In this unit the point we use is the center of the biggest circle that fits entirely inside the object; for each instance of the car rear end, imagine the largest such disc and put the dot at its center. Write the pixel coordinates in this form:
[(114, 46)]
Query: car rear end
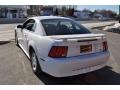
[(76, 54)]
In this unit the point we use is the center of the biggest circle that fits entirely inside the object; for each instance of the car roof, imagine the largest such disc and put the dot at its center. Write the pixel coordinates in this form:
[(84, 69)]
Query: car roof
[(48, 17)]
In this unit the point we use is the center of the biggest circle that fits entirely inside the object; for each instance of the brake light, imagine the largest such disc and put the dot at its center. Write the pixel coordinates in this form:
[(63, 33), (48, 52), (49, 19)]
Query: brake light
[(105, 46), (58, 51)]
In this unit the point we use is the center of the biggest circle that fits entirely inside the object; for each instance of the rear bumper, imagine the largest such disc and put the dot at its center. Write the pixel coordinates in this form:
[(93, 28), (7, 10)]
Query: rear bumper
[(62, 67)]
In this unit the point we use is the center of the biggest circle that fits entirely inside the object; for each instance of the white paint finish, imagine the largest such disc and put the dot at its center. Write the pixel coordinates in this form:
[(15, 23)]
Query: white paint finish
[(75, 65), (60, 67)]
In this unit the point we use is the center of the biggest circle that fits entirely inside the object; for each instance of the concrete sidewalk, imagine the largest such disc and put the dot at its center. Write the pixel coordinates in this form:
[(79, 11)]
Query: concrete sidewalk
[(7, 32), (99, 24)]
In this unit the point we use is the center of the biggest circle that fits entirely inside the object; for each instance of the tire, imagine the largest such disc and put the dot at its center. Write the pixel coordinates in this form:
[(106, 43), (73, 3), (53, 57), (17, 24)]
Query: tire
[(16, 39), (34, 63)]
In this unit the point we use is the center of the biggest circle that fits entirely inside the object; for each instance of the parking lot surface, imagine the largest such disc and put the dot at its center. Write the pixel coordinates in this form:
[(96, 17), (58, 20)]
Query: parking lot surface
[(15, 67)]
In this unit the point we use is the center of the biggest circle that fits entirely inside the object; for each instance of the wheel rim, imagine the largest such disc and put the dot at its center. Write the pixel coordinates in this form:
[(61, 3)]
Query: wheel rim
[(34, 62)]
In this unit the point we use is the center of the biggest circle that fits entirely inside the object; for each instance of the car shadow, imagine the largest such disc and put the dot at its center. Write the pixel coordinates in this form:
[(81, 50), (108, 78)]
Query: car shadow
[(104, 76)]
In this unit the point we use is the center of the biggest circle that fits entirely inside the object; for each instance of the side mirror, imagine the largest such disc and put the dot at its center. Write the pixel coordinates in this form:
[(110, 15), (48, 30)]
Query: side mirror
[(20, 26)]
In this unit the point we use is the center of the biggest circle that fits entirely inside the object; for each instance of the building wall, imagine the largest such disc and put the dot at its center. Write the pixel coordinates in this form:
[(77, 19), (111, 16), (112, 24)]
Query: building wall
[(82, 15), (21, 11), (13, 11)]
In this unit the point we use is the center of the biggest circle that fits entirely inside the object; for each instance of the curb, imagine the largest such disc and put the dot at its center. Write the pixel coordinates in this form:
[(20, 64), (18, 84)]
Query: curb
[(4, 42)]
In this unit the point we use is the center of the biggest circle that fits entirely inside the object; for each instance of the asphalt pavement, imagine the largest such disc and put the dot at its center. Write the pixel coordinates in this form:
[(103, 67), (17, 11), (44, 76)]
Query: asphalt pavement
[(15, 67)]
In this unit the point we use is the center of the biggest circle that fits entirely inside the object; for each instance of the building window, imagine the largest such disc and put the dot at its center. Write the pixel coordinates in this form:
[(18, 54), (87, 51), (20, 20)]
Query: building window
[(3, 12)]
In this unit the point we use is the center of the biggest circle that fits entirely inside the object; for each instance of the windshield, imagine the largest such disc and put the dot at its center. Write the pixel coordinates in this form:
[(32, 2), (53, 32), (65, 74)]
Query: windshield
[(63, 27)]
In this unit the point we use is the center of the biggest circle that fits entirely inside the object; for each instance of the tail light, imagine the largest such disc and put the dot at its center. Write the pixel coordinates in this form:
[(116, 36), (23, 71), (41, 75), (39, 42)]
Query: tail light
[(58, 51), (105, 46)]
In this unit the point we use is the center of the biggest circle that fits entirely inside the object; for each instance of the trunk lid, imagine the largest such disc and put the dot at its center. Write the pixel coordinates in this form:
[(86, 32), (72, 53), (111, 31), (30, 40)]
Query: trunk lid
[(80, 44)]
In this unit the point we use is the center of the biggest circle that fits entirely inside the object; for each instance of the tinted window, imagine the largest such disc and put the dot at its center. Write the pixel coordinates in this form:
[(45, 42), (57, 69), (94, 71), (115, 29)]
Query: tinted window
[(29, 25), (63, 27)]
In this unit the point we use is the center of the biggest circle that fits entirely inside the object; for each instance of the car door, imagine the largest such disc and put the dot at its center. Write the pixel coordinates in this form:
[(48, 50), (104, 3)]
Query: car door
[(28, 28)]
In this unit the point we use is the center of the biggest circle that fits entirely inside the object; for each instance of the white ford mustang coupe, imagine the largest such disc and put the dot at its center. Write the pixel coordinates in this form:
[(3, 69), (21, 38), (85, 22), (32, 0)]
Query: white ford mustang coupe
[(61, 47)]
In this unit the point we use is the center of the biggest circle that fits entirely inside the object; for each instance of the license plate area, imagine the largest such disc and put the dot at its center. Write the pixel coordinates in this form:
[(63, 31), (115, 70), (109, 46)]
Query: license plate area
[(86, 48)]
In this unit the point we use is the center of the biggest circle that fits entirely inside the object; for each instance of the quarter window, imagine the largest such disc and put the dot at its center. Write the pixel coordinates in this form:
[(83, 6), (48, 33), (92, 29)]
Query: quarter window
[(30, 25)]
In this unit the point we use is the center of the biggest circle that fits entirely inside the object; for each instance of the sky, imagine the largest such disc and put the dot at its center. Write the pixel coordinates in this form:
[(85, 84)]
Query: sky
[(95, 7)]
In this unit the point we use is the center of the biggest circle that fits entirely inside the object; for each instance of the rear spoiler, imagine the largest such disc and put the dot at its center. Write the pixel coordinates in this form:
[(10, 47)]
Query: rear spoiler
[(78, 37), (85, 36)]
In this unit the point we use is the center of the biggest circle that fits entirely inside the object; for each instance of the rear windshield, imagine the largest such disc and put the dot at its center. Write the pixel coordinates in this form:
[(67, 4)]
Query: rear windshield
[(63, 27)]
